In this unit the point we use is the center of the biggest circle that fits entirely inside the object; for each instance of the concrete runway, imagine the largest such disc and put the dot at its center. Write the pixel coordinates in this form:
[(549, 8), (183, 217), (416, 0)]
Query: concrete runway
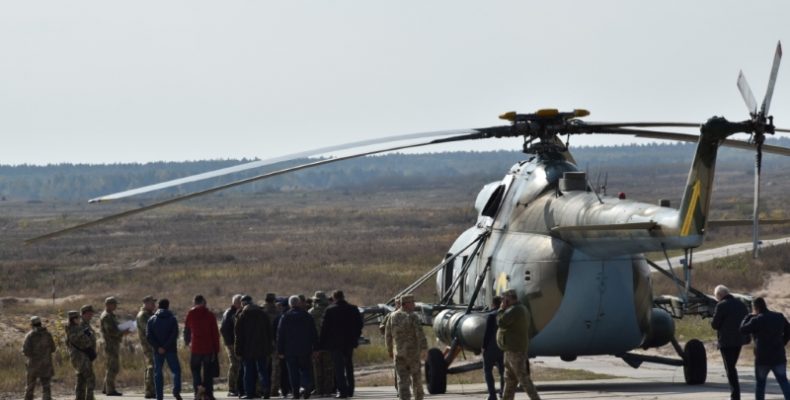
[(651, 381)]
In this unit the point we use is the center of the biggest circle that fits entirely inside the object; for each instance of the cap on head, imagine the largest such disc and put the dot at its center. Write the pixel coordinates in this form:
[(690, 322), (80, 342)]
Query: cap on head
[(111, 300), (86, 308), (246, 299), (320, 297), (270, 297), (34, 320), (149, 299), (73, 314), (510, 293), (407, 298), (164, 304)]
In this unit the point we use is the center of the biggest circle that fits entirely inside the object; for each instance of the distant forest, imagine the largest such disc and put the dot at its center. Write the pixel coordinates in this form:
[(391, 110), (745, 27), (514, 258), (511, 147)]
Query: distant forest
[(79, 182)]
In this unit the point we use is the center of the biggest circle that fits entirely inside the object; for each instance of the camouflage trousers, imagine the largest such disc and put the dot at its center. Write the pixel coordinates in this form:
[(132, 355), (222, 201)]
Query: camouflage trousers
[(516, 372), (86, 381), (46, 390), (233, 370), (113, 366), (324, 373), (276, 375), (407, 374), (149, 372)]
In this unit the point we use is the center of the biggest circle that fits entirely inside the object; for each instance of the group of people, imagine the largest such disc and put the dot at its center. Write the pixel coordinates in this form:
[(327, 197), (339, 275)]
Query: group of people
[(294, 347), (736, 326)]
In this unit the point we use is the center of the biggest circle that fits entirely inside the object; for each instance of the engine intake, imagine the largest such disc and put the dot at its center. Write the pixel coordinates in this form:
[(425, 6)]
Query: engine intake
[(469, 329)]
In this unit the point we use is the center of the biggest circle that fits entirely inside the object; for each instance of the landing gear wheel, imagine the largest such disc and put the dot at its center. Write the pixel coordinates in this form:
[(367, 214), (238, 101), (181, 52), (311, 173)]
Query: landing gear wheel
[(436, 372), (695, 366)]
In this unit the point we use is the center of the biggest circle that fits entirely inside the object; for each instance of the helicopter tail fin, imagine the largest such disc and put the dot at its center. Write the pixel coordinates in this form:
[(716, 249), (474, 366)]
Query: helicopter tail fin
[(695, 204)]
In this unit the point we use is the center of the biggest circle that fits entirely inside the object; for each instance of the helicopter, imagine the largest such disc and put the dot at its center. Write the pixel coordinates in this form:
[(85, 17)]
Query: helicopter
[(574, 256)]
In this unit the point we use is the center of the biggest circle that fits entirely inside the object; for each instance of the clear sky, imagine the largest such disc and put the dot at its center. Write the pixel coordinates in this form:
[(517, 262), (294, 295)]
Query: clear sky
[(111, 81)]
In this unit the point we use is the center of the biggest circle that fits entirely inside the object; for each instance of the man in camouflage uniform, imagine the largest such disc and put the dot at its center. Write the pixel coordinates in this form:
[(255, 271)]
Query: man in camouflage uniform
[(406, 344), (81, 341), (112, 344), (323, 372), (512, 337), (146, 312), (38, 348), (270, 309)]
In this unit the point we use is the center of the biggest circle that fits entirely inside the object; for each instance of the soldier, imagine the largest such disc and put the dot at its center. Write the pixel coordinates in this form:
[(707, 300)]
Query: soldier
[(273, 312), (112, 344), (81, 341), (226, 329), (146, 312), (383, 324), (406, 344), (512, 337), (322, 367), (38, 348)]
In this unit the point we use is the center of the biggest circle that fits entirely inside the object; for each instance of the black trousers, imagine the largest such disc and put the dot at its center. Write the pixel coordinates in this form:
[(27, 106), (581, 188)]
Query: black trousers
[(730, 356), (199, 364), (489, 362), (343, 363)]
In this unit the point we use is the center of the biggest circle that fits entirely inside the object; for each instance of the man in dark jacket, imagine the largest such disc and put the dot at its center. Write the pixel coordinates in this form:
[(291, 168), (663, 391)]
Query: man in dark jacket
[(296, 341), (202, 337), (254, 346), (228, 337), (279, 367), (162, 335), (771, 332), (340, 333), (492, 354), (727, 317)]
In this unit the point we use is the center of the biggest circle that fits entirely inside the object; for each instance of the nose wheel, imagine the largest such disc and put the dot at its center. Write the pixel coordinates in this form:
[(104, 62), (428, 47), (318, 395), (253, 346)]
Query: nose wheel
[(436, 372), (695, 362)]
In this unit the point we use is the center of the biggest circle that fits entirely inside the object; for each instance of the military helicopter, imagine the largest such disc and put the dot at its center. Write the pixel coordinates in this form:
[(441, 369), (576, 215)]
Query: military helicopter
[(574, 256)]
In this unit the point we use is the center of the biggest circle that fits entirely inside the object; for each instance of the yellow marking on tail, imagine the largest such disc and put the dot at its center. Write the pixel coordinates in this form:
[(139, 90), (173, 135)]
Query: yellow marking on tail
[(689, 218)]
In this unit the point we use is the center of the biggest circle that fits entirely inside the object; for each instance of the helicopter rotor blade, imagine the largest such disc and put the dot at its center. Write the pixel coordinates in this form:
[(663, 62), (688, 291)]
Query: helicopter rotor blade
[(112, 217), (746, 93), (769, 93), (304, 154), (685, 137)]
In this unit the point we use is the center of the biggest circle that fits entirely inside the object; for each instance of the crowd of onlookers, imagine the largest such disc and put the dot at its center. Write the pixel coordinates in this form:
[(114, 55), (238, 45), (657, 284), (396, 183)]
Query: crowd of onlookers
[(292, 347)]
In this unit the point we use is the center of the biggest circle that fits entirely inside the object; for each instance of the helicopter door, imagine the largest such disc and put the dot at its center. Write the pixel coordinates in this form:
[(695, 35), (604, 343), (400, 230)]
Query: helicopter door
[(458, 297), (447, 274)]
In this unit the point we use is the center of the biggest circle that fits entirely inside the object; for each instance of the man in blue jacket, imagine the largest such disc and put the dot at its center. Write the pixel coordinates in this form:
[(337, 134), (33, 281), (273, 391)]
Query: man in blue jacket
[(727, 318), (296, 341), (771, 332), (162, 335)]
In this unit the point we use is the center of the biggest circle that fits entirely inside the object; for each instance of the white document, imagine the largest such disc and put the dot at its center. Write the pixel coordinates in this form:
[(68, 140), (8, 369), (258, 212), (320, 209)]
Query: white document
[(129, 326)]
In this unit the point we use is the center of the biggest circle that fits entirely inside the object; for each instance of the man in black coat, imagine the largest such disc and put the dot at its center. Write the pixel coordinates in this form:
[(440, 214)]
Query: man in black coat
[(253, 344), (727, 317), (340, 333), (297, 339), (771, 332), (492, 354)]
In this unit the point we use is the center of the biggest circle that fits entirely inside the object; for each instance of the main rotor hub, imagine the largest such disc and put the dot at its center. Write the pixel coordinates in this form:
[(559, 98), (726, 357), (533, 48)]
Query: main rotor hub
[(543, 125)]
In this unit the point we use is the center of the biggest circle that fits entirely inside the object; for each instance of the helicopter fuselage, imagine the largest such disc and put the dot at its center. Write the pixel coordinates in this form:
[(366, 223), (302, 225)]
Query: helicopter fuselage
[(589, 290)]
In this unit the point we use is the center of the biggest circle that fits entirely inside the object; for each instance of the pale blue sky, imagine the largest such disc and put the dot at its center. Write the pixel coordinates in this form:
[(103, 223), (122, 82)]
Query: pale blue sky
[(102, 81)]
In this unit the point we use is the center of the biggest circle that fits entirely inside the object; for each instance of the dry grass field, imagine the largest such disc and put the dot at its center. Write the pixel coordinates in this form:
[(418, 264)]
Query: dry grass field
[(368, 243)]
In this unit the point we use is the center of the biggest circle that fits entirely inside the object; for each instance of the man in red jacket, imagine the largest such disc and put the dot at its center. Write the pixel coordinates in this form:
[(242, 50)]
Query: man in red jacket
[(202, 336)]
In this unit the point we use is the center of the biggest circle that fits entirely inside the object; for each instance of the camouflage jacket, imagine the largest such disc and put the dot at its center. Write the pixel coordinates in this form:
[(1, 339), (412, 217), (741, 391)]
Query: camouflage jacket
[(317, 312), (80, 338), (38, 348), (109, 331), (404, 335), (142, 324), (271, 311)]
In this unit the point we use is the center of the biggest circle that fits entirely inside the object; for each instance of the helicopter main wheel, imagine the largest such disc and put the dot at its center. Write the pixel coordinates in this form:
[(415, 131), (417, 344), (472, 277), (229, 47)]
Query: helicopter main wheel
[(695, 366), (436, 372)]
